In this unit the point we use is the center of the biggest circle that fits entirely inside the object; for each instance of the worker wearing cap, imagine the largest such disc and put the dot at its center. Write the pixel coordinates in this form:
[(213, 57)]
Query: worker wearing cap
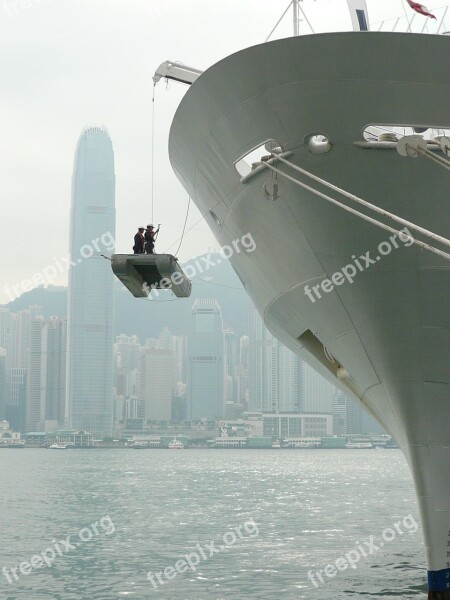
[(150, 238), (139, 241)]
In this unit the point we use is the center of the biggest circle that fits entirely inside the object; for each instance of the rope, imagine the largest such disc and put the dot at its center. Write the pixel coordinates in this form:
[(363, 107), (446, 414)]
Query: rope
[(366, 204), (442, 162), (231, 287), (279, 21), (184, 227), (354, 212)]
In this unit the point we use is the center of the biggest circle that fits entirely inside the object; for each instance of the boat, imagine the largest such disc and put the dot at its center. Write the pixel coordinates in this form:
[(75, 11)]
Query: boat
[(354, 277), (15, 445), (359, 445), (176, 444), (276, 444), (139, 444), (59, 446)]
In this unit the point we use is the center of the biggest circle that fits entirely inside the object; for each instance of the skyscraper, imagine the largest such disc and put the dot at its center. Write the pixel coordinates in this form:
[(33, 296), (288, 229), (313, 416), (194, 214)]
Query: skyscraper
[(46, 368), (317, 391), (205, 370), (275, 373), (156, 383), (91, 286), (2, 383)]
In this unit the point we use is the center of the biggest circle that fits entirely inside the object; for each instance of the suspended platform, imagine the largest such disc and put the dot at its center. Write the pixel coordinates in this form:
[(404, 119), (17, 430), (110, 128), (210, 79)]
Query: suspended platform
[(142, 273)]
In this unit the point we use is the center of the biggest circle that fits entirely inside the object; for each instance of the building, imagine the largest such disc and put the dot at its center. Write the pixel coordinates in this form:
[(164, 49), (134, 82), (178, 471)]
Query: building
[(36, 376), (295, 425), (56, 348), (16, 406), (46, 375), (275, 373), (156, 388), (3, 387), (8, 437), (351, 418), (317, 391), (91, 286), (205, 365)]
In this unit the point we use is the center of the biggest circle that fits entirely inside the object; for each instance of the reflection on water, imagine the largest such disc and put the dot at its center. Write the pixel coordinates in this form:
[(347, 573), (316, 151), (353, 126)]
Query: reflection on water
[(310, 508)]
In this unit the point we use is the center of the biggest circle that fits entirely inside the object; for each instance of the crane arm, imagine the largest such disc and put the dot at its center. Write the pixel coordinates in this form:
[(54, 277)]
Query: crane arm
[(176, 71)]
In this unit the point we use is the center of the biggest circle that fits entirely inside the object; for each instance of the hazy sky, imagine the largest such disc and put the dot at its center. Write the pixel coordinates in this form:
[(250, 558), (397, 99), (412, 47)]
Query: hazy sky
[(65, 64)]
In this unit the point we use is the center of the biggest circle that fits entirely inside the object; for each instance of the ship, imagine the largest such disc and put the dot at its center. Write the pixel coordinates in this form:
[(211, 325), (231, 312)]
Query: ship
[(322, 148)]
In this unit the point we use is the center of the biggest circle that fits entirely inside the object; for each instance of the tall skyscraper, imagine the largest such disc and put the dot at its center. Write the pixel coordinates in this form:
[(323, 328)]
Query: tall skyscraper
[(36, 376), (317, 391), (16, 409), (56, 341), (205, 370), (275, 373), (46, 380), (2, 383), (156, 383), (91, 286)]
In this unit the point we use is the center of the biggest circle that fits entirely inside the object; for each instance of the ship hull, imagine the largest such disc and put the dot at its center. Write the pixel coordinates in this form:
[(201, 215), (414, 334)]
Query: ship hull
[(383, 335)]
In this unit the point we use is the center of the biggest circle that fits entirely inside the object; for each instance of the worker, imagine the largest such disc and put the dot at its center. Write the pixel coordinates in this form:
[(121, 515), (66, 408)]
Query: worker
[(139, 241), (150, 238)]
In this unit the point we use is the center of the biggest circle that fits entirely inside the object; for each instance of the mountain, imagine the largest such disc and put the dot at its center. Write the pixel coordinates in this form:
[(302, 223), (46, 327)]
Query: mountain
[(146, 318)]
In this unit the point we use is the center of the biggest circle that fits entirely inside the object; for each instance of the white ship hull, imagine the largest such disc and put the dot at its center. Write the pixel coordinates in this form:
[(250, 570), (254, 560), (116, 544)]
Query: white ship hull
[(390, 328)]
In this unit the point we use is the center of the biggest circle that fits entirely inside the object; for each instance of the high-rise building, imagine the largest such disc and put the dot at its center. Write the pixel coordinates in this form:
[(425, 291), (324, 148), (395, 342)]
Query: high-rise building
[(3, 387), (275, 373), (16, 408), (290, 381), (156, 387), (243, 372), (46, 374), (205, 366), (36, 376), (56, 348), (347, 414), (91, 286), (317, 391), (7, 336)]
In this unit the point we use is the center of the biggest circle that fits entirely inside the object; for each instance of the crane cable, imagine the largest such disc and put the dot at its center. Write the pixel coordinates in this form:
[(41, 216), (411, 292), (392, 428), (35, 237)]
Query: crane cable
[(153, 171), (153, 148)]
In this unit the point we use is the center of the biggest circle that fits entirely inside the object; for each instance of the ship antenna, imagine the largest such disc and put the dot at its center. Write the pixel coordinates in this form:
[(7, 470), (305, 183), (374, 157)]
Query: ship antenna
[(296, 6), (297, 9)]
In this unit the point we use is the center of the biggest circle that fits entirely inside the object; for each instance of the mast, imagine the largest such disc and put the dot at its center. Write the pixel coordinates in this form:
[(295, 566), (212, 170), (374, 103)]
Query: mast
[(296, 19)]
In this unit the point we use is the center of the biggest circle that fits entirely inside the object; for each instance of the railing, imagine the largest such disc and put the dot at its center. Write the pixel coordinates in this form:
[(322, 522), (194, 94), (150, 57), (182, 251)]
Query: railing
[(416, 23)]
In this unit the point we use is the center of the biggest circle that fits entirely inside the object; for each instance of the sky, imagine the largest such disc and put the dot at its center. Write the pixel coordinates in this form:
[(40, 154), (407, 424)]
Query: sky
[(67, 64)]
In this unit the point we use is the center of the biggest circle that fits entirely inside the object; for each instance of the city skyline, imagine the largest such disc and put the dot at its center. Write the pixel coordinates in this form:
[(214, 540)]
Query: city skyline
[(151, 378)]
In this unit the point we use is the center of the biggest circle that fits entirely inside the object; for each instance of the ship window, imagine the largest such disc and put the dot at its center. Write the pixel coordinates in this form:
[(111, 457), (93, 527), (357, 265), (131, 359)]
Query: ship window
[(392, 133)]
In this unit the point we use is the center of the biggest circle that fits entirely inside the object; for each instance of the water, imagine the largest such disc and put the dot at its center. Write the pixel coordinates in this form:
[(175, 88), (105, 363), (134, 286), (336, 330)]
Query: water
[(130, 512)]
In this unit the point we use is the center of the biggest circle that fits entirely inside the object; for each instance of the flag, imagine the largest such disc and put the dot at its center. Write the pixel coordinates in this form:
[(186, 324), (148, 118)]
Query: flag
[(358, 11), (420, 8)]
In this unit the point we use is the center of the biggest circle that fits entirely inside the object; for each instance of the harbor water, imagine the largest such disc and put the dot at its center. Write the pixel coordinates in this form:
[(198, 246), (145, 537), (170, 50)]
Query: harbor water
[(108, 524)]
